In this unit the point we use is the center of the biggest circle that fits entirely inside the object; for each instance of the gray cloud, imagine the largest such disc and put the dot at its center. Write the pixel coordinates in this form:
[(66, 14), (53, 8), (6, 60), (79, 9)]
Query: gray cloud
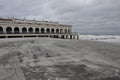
[(85, 15)]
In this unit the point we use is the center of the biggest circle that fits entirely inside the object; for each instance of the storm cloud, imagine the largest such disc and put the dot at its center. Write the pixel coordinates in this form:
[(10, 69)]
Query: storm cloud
[(86, 16)]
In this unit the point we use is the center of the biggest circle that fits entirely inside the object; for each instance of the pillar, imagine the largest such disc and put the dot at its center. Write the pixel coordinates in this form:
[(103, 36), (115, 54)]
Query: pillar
[(20, 29), (39, 30), (54, 31), (73, 36), (68, 36), (6, 36), (4, 30), (27, 29), (33, 29), (45, 31), (12, 29), (77, 37), (59, 36)]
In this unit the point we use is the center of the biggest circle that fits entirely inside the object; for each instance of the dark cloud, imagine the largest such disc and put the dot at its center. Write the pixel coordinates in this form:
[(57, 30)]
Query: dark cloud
[(84, 15)]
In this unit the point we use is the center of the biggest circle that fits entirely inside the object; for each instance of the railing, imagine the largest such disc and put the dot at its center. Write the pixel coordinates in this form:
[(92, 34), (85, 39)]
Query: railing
[(30, 33), (9, 32)]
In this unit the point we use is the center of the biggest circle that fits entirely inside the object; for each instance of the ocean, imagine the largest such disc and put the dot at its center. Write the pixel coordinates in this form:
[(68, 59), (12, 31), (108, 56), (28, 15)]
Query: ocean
[(104, 38)]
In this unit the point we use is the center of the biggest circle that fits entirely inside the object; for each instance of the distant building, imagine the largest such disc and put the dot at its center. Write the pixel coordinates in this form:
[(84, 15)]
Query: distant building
[(10, 28)]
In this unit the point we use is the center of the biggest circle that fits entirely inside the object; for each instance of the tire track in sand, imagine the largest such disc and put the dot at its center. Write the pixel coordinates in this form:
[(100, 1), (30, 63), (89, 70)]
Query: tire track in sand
[(14, 61)]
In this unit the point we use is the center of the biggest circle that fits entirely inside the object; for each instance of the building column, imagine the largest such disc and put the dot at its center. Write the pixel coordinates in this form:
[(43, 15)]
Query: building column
[(68, 37), (77, 37), (54, 31), (4, 30), (59, 36), (6, 36), (12, 29), (20, 30), (33, 30), (73, 36), (45, 30), (27, 29)]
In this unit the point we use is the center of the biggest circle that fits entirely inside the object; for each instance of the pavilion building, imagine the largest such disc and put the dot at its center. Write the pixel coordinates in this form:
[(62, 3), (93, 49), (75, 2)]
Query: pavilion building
[(12, 28)]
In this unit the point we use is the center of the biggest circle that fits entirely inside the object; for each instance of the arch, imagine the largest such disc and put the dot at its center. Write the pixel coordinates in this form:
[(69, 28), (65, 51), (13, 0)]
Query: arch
[(61, 30), (30, 30), (57, 30), (16, 30), (1, 29), (9, 30), (52, 30), (36, 30), (65, 30), (42, 30), (24, 30), (47, 30)]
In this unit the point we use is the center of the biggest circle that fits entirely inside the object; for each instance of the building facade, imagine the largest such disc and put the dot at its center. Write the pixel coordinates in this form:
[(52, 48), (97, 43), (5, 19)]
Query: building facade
[(10, 28)]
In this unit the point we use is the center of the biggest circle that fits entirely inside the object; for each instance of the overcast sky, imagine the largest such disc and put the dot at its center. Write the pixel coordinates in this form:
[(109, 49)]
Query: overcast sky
[(97, 16)]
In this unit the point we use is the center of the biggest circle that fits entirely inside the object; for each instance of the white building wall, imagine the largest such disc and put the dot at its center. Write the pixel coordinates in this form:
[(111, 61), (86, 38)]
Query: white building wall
[(34, 26)]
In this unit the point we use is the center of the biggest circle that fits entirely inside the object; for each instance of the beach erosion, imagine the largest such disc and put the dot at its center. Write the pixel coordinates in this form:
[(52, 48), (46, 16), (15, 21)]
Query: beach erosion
[(58, 59)]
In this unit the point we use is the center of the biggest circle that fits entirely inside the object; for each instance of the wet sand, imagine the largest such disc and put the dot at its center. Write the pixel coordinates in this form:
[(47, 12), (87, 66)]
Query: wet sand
[(58, 59)]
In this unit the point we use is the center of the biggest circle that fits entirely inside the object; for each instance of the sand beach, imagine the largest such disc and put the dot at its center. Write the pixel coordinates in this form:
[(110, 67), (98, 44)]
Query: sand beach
[(58, 59)]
